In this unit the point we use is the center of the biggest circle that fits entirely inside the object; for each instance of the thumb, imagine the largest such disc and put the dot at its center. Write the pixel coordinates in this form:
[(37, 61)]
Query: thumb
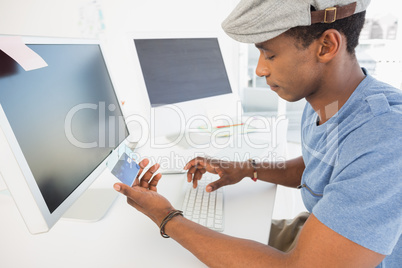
[(126, 190), (213, 186)]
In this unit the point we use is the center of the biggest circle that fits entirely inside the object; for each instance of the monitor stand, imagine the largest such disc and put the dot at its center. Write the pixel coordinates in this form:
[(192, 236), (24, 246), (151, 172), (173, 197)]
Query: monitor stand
[(92, 206)]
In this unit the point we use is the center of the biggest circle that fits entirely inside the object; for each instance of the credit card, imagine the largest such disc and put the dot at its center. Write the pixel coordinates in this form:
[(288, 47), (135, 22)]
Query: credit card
[(126, 169)]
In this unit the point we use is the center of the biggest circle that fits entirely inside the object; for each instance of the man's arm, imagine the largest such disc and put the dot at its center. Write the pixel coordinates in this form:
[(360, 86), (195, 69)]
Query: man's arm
[(317, 246), (287, 173)]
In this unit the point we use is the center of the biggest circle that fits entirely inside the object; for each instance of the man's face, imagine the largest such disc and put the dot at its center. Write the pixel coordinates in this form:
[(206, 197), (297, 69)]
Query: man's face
[(291, 71)]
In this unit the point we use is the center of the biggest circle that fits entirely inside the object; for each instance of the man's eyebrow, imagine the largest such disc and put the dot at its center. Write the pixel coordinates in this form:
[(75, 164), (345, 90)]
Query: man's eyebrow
[(261, 46)]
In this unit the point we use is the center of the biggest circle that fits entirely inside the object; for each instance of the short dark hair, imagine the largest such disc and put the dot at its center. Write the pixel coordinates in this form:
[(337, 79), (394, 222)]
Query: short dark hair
[(350, 26)]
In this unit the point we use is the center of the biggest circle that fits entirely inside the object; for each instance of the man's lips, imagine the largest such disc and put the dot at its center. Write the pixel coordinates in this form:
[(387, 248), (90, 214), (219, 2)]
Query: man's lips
[(273, 86), (270, 83)]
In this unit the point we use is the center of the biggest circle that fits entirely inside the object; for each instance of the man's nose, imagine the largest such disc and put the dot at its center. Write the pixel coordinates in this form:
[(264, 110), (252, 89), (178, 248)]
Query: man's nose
[(262, 67)]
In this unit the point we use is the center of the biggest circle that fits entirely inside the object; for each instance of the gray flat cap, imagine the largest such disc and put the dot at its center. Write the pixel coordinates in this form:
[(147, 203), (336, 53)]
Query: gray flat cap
[(256, 21)]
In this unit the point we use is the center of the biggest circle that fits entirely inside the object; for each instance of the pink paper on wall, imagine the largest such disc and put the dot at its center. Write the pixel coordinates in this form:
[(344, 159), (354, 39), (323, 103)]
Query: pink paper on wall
[(14, 47)]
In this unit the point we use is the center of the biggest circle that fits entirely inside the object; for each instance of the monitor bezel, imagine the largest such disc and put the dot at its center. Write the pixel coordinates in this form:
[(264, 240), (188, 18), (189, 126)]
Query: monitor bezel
[(177, 36), (15, 170), (209, 107), (171, 35)]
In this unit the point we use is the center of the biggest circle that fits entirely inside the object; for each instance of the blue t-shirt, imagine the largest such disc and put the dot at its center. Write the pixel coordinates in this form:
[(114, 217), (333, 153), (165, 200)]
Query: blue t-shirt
[(353, 177)]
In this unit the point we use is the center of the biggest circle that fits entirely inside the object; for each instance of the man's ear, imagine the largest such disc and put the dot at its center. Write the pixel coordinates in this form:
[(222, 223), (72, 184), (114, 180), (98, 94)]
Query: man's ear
[(330, 44)]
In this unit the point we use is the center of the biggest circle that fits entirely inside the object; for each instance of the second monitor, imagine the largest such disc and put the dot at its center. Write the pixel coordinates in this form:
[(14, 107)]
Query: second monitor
[(182, 69), (185, 78)]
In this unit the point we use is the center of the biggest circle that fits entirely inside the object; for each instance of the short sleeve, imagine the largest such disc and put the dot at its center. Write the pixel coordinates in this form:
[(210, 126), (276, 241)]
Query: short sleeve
[(363, 200)]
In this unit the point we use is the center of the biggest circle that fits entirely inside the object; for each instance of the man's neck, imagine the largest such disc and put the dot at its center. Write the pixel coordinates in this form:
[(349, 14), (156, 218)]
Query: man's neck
[(337, 87)]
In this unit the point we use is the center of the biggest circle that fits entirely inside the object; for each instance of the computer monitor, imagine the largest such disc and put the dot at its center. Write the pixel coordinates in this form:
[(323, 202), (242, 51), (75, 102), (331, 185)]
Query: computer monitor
[(58, 125), (182, 69), (185, 78)]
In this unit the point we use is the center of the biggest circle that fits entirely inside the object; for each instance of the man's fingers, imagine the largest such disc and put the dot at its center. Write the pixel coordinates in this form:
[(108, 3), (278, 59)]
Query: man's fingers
[(213, 186), (144, 182), (134, 194), (198, 166), (126, 190), (136, 181), (199, 161), (197, 176), (192, 171), (189, 176), (142, 165), (154, 182)]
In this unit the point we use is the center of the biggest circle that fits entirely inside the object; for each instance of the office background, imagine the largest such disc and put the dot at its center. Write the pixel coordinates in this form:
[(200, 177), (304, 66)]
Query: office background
[(113, 20)]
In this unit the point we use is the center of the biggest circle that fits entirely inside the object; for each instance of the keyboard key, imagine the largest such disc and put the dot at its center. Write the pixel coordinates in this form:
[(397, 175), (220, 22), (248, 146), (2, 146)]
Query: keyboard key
[(204, 208)]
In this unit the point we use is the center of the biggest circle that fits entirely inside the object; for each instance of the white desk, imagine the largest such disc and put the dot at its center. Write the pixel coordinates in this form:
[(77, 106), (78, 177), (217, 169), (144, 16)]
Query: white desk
[(125, 237)]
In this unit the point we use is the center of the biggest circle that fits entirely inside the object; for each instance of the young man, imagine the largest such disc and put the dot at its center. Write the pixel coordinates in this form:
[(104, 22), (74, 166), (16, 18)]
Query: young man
[(350, 173)]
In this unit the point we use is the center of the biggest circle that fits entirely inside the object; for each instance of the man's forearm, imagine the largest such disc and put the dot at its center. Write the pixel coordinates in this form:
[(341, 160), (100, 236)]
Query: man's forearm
[(219, 250), (286, 173)]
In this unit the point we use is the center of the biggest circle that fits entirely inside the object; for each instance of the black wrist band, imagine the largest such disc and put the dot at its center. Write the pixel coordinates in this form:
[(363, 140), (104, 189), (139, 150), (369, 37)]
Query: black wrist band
[(171, 214)]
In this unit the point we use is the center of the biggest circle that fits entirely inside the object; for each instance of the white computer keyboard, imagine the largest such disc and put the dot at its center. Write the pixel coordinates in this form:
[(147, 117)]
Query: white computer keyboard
[(202, 207)]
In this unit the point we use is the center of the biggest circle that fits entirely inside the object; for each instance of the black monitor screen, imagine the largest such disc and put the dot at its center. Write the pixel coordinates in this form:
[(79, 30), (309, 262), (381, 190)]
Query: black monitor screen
[(65, 117), (178, 70)]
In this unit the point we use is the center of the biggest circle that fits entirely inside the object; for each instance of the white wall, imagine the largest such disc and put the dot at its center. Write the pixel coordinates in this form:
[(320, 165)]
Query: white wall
[(44, 17), (123, 16), (112, 19)]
